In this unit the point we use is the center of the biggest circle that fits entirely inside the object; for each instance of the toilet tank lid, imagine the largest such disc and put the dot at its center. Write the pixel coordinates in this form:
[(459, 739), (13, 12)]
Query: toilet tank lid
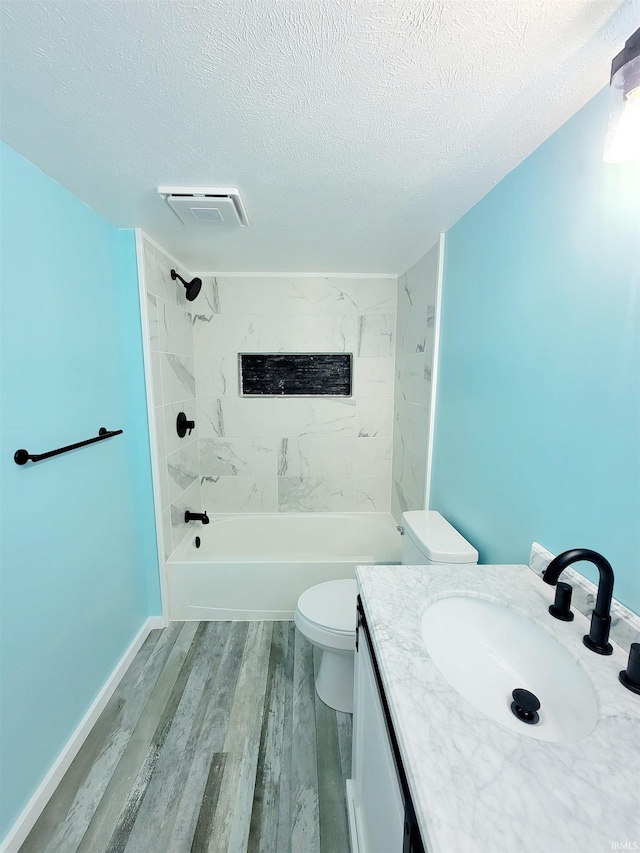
[(436, 538)]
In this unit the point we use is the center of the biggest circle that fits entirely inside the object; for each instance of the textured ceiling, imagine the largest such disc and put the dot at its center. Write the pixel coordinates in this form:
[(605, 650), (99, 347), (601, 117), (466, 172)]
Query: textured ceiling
[(355, 130)]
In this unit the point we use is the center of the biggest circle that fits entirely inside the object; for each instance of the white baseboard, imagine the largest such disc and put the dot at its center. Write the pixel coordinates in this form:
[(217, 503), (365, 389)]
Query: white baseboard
[(223, 614), (351, 814), (32, 811)]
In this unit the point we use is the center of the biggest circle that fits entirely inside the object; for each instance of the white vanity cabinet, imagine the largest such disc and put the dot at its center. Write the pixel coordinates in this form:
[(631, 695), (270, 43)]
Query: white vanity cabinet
[(378, 804)]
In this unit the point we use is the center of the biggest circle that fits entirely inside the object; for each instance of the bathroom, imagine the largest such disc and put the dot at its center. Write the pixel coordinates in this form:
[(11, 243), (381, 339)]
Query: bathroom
[(418, 219)]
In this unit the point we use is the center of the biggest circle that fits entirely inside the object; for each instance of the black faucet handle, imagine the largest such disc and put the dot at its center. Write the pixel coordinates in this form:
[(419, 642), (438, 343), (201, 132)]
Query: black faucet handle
[(183, 424), (630, 676), (561, 607)]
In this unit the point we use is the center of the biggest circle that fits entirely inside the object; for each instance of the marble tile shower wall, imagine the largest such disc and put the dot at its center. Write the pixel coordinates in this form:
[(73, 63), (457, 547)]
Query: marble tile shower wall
[(417, 290), (174, 390), (316, 454)]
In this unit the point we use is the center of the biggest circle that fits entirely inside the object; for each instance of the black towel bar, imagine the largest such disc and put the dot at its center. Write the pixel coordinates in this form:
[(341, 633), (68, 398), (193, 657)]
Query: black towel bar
[(21, 457)]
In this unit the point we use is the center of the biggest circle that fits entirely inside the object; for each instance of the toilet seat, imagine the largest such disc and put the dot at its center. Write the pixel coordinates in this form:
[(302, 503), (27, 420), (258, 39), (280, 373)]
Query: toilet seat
[(331, 605), (326, 614)]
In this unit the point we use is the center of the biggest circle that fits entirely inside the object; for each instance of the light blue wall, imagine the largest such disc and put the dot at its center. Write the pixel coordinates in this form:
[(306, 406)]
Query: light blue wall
[(538, 427), (79, 561)]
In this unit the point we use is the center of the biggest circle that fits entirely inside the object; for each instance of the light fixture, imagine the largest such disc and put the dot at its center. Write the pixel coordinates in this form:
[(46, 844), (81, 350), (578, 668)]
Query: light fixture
[(622, 142)]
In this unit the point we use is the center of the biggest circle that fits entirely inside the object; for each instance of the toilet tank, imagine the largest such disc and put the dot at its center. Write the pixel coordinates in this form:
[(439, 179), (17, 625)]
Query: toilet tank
[(429, 539)]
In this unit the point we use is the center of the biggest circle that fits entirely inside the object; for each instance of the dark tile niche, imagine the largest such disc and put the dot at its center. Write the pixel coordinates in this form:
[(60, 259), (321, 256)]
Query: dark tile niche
[(296, 374)]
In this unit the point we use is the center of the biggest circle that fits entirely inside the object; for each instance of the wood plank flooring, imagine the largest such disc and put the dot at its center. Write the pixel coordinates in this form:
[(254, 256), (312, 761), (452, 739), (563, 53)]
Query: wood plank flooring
[(216, 741)]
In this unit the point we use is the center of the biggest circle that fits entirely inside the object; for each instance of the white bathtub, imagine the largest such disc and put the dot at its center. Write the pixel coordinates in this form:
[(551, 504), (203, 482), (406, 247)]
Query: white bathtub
[(257, 566)]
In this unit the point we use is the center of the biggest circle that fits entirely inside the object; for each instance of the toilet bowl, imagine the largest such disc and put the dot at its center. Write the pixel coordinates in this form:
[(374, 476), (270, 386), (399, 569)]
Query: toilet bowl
[(326, 616), (326, 613)]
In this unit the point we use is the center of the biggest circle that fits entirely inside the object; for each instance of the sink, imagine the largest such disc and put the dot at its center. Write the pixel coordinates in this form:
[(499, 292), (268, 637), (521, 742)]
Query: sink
[(485, 650)]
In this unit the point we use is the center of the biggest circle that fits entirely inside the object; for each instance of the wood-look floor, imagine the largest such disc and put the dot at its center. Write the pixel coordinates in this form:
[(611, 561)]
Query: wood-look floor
[(215, 740)]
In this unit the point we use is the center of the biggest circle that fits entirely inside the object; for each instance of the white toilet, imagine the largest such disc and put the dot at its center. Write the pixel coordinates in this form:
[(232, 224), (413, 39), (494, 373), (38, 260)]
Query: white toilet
[(326, 613)]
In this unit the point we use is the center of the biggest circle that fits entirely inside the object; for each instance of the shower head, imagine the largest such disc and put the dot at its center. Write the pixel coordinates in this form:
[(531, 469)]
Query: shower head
[(192, 287)]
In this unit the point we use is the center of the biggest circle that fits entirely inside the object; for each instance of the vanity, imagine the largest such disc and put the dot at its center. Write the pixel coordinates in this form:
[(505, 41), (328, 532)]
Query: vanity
[(442, 762)]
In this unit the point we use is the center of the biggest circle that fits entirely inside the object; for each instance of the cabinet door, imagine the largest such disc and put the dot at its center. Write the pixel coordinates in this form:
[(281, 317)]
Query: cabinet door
[(379, 805)]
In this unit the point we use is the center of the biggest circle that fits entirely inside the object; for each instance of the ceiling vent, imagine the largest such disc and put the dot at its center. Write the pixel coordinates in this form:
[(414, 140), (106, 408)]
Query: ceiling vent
[(206, 206)]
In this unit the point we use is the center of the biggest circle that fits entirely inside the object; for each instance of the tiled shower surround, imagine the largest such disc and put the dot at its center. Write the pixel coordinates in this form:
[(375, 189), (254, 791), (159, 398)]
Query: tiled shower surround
[(174, 390), (316, 454), (417, 290)]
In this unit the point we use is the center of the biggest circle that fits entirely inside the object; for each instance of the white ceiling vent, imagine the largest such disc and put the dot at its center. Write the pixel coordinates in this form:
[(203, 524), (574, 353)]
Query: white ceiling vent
[(206, 206)]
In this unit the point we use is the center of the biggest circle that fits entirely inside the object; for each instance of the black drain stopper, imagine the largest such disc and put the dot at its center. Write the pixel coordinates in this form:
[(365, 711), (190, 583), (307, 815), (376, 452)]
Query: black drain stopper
[(525, 706)]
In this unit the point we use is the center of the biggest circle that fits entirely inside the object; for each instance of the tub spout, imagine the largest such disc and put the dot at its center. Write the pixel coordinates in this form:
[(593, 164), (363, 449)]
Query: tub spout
[(196, 516)]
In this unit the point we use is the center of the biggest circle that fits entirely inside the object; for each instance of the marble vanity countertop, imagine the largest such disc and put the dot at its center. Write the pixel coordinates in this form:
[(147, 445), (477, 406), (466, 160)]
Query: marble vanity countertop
[(477, 786)]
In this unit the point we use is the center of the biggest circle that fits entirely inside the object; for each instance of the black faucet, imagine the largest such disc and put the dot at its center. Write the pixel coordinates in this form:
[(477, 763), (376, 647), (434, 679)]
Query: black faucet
[(598, 637), (196, 516)]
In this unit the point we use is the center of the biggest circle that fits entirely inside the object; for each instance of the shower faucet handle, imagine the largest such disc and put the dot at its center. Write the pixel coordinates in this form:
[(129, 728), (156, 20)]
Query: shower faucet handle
[(182, 425)]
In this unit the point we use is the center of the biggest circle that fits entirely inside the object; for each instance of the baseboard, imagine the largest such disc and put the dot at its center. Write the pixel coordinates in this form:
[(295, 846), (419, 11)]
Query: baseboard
[(351, 813), (32, 811), (223, 614)]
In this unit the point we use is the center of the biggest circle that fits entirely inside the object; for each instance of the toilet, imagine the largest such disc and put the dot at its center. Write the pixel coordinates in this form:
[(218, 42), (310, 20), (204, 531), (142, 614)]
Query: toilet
[(326, 613)]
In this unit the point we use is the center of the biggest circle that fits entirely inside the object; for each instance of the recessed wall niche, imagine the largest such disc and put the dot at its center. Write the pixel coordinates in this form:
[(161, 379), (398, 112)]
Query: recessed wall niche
[(296, 374)]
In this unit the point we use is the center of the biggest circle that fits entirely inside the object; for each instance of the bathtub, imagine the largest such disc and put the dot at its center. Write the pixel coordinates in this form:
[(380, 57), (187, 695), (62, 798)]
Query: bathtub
[(257, 566)]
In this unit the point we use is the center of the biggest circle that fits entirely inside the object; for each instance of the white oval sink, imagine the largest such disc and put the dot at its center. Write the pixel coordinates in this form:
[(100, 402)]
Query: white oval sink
[(485, 651)]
